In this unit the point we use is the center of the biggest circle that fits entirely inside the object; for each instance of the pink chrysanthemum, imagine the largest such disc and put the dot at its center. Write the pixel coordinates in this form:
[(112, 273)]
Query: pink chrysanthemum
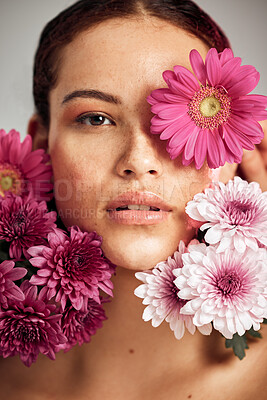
[(80, 326), (72, 267), (235, 215), (214, 119), (160, 295), (24, 222), (30, 327), (8, 290), (227, 289), (23, 170)]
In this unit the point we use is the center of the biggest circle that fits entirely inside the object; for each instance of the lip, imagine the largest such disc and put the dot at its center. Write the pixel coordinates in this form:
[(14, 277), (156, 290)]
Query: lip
[(138, 217)]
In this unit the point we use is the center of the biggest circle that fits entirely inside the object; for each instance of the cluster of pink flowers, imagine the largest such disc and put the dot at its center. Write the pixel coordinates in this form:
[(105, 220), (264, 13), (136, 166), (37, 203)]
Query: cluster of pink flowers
[(222, 281), (52, 283)]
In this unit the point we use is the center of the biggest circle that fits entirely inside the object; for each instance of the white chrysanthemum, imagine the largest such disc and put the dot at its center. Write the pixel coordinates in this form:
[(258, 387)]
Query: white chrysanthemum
[(228, 289), (235, 215), (160, 296)]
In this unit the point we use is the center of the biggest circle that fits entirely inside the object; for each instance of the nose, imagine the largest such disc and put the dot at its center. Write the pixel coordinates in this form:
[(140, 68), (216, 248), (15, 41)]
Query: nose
[(140, 156)]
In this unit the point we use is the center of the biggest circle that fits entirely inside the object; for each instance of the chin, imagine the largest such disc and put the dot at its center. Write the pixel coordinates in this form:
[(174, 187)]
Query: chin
[(138, 255)]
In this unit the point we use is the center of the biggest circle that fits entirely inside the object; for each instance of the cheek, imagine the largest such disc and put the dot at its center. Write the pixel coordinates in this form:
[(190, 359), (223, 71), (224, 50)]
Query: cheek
[(77, 182), (186, 182)]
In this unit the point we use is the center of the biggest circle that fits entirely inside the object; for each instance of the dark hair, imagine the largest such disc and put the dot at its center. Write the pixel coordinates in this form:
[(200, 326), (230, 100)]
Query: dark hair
[(87, 13)]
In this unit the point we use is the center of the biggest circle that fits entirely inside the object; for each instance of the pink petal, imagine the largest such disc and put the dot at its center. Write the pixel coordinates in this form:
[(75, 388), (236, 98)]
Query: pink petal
[(225, 55), (175, 98), (173, 113), (182, 132), (6, 266), (186, 77), (168, 75), (170, 130), (16, 294), (169, 111), (35, 250), (244, 85), (16, 273), (232, 141), (36, 280), (157, 95), (26, 147), (258, 98), (214, 156), (248, 126), (201, 148), (198, 66), (31, 162), (31, 294), (190, 144), (213, 67), (44, 272), (179, 88), (229, 70), (38, 262), (176, 151)]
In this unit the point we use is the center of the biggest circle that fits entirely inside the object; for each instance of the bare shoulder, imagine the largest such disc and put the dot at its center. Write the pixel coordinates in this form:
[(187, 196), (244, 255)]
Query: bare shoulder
[(44, 380), (220, 376)]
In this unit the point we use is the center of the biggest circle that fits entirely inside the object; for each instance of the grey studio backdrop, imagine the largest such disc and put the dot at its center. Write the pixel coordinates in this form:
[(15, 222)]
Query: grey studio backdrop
[(21, 21)]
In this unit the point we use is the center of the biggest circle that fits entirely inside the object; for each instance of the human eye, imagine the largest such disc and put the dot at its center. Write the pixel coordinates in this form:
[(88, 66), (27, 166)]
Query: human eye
[(94, 119)]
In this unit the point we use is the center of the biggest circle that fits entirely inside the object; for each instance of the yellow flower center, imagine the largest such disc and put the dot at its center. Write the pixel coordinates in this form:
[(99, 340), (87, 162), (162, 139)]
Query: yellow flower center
[(6, 182), (10, 179), (209, 107)]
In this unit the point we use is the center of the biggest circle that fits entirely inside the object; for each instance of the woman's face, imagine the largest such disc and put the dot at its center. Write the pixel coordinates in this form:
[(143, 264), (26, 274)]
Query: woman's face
[(103, 155)]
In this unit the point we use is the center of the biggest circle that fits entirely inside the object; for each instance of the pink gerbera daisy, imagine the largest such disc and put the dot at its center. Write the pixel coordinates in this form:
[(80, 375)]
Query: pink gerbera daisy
[(24, 222), (72, 268), (235, 215), (8, 290), (80, 326), (23, 170), (227, 289), (30, 327), (161, 296), (215, 119)]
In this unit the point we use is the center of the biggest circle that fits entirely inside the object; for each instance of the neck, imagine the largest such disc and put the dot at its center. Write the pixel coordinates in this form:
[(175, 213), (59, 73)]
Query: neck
[(127, 343)]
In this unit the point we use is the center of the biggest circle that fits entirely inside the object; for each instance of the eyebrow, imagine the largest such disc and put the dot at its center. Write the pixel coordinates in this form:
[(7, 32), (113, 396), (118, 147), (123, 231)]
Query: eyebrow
[(92, 94)]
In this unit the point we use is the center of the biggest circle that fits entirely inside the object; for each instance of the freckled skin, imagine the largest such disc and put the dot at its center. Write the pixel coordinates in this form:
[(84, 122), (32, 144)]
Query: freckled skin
[(91, 164)]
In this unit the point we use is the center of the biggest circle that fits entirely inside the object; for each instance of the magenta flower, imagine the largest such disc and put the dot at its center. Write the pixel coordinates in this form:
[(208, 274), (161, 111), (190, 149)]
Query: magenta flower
[(235, 215), (8, 290), (24, 222), (23, 170), (72, 267), (161, 296), (80, 326), (30, 327), (228, 289), (215, 119)]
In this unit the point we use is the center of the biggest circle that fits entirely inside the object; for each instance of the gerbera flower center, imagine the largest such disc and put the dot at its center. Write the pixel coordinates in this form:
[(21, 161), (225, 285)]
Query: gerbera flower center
[(239, 213), (229, 284), (10, 179), (210, 107)]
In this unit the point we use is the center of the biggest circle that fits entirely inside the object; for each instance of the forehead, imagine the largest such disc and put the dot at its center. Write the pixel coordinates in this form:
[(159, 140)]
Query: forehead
[(122, 53)]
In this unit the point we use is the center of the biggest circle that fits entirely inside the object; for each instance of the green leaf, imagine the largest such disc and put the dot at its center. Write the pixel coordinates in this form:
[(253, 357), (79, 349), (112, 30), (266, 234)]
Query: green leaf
[(265, 321), (253, 333), (238, 344)]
